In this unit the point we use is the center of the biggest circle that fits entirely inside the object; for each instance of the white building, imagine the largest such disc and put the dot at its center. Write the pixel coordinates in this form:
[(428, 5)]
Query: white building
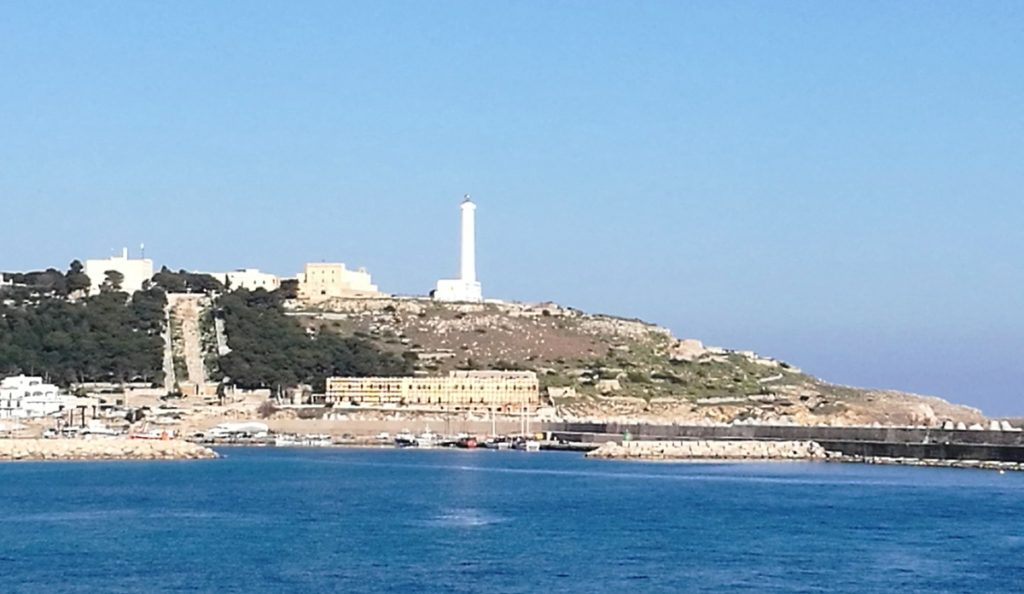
[(248, 278), (24, 397), (136, 272), (324, 280), (466, 287)]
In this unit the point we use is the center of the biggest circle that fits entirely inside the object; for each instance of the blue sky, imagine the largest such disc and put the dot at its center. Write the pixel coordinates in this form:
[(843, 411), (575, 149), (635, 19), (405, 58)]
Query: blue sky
[(835, 184)]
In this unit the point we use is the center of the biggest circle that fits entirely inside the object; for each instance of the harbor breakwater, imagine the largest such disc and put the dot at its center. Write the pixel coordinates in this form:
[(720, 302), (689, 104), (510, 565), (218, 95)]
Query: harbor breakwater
[(601, 432), (712, 450), (1001, 448), (745, 449), (116, 448)]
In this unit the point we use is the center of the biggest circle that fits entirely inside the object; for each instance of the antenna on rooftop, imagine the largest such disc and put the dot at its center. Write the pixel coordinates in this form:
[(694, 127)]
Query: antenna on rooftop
[(142, 248)]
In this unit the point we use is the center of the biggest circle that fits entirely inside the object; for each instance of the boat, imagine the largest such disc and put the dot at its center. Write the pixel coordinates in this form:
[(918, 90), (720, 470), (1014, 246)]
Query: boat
[(467, 443), (317, 440), (314, 440), (160, 434), (427, 439), (527, 445), (404, 439), (285, 440), (246, 429), (95, 427), (498, 443)]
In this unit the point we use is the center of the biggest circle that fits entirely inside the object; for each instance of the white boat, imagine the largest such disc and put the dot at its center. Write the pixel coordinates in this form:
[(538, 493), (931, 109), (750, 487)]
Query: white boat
[(289, 440), (242, 429), (528, 445), (427, 439), (94, 427), (317, 440), (285, 440), (162, 434)]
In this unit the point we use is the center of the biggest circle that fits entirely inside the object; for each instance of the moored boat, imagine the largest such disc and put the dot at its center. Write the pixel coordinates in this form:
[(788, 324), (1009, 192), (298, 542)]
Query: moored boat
[(404, 439), (427, 439), (527, 445), (285, 440)]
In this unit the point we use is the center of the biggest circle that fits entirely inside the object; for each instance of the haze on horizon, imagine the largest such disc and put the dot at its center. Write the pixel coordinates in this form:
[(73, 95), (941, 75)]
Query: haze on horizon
[(836, 185)]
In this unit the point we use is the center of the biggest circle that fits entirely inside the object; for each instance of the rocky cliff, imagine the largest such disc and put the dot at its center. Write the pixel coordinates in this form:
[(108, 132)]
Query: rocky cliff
[(604, 367)]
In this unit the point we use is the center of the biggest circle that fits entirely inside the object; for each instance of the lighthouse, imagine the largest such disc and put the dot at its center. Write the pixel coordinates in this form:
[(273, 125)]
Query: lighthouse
[(468, 242), (466, 287)]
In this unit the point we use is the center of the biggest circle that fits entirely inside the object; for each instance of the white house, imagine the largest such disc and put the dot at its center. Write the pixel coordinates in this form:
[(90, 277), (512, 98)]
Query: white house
[(135, 272), (248, 278), (23, 397)]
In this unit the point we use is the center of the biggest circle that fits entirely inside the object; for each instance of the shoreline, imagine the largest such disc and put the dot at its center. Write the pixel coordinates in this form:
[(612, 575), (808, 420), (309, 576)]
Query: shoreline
[(691, 452)]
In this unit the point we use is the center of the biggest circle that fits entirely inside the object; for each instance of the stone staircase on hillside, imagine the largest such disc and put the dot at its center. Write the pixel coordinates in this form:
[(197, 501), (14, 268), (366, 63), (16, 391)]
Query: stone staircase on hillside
[(183, 345)]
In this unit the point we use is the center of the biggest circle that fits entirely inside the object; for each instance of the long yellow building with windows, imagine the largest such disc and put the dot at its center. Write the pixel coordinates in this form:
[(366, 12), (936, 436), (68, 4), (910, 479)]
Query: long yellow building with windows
[(502, 391)]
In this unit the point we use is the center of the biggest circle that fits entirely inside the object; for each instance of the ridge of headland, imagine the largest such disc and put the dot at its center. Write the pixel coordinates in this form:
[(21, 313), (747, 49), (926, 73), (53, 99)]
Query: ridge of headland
[(614, 369)]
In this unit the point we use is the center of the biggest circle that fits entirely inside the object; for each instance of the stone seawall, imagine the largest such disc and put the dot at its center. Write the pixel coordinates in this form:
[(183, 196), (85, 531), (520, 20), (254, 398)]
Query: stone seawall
[(711, 450), (117, 448), (601, 432)]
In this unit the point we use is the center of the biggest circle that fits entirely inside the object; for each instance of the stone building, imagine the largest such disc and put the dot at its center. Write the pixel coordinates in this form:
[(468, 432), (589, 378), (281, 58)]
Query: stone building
[(503, 391), (135, 272), (321, 281)]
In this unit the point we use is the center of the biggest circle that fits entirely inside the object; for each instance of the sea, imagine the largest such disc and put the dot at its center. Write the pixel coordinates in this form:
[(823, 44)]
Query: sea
[(270, 520)]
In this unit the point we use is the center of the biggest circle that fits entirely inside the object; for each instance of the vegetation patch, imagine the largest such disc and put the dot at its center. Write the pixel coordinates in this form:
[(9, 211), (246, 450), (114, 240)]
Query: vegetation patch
[(272, 350), (105, 338)]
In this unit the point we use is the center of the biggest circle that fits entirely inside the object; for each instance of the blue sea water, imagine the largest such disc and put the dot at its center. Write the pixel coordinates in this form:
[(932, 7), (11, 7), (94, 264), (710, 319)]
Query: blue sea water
[(334, 520)]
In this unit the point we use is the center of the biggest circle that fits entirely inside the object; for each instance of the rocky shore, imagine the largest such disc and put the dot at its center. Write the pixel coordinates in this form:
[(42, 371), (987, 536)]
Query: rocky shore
[(712, 450), (117, 448)]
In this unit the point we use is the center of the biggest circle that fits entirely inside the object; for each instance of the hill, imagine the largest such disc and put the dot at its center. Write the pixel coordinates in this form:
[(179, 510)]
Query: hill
[(590, 366), (599, 366)]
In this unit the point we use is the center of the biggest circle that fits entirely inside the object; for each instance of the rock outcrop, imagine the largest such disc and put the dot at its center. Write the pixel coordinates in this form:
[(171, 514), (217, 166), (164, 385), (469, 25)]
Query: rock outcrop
[(117, 448)]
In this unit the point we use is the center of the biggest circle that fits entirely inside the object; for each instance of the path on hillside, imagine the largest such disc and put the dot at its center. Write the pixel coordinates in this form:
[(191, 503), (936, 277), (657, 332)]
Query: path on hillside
[(170, 381), (185, 311)]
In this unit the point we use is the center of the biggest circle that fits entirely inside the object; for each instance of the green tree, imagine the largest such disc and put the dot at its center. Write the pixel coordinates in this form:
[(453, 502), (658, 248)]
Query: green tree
[(101, 338), (76, 279), (186, 282), (272, 350), (112, 281)]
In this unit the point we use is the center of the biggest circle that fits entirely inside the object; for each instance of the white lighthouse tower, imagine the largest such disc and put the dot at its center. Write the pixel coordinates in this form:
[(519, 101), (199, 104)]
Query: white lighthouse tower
[(468, 253), (466, 287)]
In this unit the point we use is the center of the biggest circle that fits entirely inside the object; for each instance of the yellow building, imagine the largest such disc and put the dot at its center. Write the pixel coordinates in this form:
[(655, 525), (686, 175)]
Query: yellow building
[(324, 280), (507, 391)]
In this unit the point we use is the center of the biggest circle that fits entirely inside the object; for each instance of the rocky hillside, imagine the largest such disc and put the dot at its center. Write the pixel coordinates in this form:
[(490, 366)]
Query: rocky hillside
[(596, 366)]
